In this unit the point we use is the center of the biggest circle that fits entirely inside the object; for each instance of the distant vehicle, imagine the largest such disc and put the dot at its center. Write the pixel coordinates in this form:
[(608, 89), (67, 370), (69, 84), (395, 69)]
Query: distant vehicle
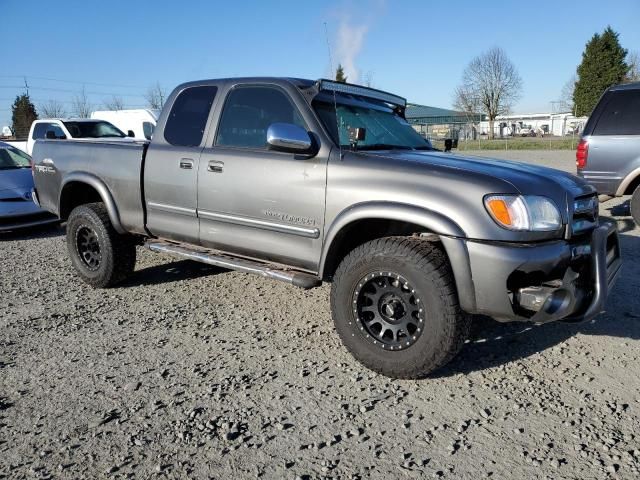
[(608, 155), (60, 129), (141, 121), (17, 209), (308, 181), (527, 131)]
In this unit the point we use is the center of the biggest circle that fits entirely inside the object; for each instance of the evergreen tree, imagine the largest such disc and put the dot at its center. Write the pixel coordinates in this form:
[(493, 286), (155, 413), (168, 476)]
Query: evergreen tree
[(340, 76), (24, 113), (603, 64)]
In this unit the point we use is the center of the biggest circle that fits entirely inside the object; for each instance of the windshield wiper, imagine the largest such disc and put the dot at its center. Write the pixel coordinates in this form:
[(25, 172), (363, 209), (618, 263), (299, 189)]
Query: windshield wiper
[(382, 146)]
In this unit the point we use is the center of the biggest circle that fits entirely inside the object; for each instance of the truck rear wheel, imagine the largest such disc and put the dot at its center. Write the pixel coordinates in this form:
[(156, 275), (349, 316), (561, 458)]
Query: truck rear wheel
[(101, 256), (395, 307), (635, 205)]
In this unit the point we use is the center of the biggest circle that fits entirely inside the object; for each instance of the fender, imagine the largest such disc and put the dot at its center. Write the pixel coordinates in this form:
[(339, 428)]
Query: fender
[(432, 221), (631, 176), (103, 191)]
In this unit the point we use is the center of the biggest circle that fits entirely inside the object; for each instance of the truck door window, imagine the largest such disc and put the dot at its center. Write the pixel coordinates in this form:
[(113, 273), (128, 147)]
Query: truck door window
[(41, 129), (621, 114), (188, 117), (248, 113)]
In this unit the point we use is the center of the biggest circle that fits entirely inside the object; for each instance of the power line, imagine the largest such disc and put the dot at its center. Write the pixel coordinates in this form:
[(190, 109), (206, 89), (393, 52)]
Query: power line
[(52, 89), (73, 81)]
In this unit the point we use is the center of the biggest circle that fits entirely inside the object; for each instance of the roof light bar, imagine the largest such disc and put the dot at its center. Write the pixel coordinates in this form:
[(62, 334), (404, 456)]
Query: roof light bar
[(363, 91)]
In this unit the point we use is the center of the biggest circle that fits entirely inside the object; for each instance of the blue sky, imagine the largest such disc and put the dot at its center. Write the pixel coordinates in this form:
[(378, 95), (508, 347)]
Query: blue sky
[(415, 48)]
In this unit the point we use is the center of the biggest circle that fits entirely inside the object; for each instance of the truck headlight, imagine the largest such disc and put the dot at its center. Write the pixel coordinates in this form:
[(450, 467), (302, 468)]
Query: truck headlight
[(524, 212)]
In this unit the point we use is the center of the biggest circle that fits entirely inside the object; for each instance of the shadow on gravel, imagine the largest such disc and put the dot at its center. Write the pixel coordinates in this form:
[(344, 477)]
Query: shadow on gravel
[(171, 272), (41, 231)]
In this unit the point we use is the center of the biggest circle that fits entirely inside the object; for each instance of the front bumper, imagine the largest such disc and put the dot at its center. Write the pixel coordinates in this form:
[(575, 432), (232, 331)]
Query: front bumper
[(539, 283)]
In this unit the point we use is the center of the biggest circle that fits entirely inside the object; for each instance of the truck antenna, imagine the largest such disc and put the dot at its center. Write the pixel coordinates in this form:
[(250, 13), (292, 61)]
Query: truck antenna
[(335, 103)]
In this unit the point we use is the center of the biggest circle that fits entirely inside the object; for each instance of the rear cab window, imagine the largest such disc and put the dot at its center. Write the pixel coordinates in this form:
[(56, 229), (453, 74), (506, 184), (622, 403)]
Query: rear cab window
[(188, 116), (619, 113)]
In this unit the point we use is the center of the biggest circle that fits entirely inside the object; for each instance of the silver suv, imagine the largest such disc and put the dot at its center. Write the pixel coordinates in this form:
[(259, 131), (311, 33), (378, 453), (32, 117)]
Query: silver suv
[(608, 156)]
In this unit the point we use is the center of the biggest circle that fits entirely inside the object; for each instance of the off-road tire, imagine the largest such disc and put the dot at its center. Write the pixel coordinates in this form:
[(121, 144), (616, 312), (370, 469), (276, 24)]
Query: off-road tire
[(425, 266), (635, 205), (116, 252)]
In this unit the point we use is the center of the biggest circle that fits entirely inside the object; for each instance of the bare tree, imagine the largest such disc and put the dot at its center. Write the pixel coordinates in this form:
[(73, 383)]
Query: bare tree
[(52, 109), (81, 106), (494, 81), (114, 103), (468, 102), (633, 60), (156, 96), (566, 94)]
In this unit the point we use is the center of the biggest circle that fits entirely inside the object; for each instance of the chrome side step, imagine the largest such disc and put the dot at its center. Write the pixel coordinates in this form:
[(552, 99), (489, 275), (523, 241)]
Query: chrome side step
[(218, 259)]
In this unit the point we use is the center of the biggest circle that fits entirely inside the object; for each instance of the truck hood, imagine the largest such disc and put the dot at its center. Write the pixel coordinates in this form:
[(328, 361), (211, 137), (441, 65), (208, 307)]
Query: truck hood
[(525, 178)]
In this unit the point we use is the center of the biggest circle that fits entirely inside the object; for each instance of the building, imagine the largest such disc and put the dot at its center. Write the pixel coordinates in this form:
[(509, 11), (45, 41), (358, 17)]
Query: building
[(530, 124), (440, 123)]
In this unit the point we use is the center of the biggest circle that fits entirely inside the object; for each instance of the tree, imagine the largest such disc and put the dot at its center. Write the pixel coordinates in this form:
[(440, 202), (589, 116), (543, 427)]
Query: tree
[(114, 103), (566, 94), (340, 76), (633, 60), (53, 109), (23, 115), (492, 82), (155, 96), (603, 64), (81, 106)]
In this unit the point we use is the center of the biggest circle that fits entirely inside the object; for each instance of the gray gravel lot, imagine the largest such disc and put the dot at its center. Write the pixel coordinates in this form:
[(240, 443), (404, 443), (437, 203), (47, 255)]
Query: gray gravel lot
[(190, 371)]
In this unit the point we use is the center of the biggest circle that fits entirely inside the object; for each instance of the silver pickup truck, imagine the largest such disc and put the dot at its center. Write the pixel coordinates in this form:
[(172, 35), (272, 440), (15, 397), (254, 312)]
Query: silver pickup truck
[(310, 181)]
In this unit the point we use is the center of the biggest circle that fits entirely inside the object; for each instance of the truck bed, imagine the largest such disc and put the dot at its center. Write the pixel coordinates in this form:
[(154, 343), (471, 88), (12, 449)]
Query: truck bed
[(117, 165)]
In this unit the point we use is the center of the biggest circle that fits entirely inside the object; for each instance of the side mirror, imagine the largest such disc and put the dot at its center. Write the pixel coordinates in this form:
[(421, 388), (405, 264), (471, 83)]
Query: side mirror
[(286, 137), (50, 135), (130, 133)]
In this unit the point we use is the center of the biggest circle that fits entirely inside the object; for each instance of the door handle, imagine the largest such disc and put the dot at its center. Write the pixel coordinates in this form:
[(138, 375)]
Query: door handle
[(186, 163), (215, 166)]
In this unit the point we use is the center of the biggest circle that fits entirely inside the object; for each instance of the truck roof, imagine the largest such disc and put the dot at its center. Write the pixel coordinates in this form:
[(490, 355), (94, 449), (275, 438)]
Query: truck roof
[(304, 83)]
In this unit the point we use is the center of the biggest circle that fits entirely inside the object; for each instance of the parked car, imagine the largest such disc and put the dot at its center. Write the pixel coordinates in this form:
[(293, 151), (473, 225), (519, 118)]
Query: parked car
[(17, 209), (310, 181), (608, 155), (140, 121), (527, 131), (61, 129)]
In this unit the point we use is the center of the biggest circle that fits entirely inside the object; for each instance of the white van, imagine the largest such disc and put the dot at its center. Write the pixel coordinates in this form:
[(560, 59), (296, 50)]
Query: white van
[(141, 122)]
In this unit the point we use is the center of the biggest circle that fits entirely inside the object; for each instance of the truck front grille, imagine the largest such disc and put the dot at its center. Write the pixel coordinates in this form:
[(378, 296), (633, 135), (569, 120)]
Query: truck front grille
[(585, 214)]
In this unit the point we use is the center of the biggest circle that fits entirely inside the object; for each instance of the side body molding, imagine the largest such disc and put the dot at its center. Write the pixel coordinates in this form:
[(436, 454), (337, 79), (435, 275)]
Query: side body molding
[(103, 191)]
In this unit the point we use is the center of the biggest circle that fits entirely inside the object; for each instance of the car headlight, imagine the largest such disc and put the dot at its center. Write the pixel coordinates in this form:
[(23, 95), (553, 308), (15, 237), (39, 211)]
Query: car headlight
[(524, 212)]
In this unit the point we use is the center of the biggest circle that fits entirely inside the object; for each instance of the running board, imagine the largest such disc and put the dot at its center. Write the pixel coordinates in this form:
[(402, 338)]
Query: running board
[(218, 259)]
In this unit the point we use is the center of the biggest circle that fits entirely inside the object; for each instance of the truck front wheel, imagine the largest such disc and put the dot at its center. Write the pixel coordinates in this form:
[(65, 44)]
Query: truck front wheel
[(395, 307), (101, 256)]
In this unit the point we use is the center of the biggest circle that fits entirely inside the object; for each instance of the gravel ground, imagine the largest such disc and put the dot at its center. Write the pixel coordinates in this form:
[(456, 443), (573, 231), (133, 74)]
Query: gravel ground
[(190, 371)]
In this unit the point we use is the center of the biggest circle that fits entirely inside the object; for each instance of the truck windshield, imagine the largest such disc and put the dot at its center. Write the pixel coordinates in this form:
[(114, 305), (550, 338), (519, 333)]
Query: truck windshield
[(11, 158), (100, 129), (385, 129)]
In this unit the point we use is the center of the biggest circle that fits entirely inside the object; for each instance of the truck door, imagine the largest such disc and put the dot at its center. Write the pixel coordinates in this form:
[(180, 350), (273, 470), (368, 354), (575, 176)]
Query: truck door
[(254, 201), (171, 167)]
